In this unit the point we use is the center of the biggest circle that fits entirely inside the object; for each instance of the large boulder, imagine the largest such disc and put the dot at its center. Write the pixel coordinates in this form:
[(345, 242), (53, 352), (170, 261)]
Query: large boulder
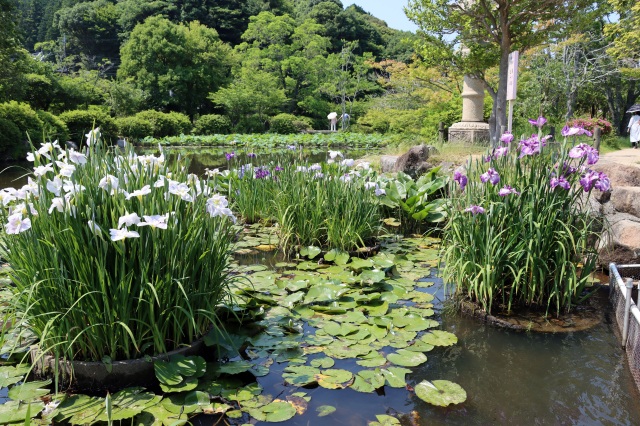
[(619, 174), (621, 244), (626, 199), (388, 163), (414, 162)]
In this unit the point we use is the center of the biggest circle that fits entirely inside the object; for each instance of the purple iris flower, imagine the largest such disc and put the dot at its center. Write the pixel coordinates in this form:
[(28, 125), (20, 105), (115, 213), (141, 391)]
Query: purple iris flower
[(292, 147), (461, 179), (278, 169), (507, 138), (500, 152), (585, 150), (541, 121), (561, 181), (230, 155), (251, 155), (603, 184), (315, 167), (568, 169), (575, 131), (261, 173), (490, 176), (532, 146), (507, 190), (475, 210), (589, 180)]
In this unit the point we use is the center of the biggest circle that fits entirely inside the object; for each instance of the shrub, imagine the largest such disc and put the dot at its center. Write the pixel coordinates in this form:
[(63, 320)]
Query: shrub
[(212, 124), (375, 121), (591, 123), (10, 139), (284, 124), (250, 124), (518, 234), (303, 123), (53, 127), (166, 124), (81, 121), (25, 118), (125, 266), (133, 127)]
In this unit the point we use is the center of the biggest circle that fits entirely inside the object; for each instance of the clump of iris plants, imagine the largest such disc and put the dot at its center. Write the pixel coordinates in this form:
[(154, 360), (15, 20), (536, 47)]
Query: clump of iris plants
[(520, 233), (115, 254)]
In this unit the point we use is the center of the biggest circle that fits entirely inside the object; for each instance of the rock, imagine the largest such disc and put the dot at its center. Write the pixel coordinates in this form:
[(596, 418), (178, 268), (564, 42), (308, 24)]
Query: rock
[(413, 162), (621, 244), (626, 199), (619, 174), (388, 162)]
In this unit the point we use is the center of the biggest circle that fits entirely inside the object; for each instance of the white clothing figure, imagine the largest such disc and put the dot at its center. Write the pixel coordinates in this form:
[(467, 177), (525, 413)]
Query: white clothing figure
[(634, 129), (333, 120)]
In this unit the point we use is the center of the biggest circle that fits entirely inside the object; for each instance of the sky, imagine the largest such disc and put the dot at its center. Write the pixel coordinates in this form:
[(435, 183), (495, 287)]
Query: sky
[(390, 11)]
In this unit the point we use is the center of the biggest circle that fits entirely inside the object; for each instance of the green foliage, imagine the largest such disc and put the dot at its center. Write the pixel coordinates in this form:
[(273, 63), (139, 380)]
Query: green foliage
[(40, 90), (135, 128), (10, 138), (284, 124), (77, 261), (535, 248), (195, 62), (81, 121), (166, 124), (25, 118), (212, 124), (625, 34), (53, 127)]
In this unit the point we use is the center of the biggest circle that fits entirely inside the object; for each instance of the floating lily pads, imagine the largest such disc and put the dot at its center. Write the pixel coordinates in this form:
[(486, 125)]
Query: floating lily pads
[(440, 392), (16, 412), (325, 410), (439, 338), (405, 358), (337, 256), (310, 251), (324, 362), (277, 411), (10, 375), (395, 376), (384, 420), (180, 373), (29, 391), (334, 378), (300, 375), (367, 381)]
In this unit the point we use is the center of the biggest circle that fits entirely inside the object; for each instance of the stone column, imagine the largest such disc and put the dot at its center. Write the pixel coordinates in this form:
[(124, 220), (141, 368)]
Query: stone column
[(472, 128)]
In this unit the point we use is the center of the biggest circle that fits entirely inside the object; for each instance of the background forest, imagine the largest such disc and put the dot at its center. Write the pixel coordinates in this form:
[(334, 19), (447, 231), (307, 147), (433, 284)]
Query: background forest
[(166, 67)]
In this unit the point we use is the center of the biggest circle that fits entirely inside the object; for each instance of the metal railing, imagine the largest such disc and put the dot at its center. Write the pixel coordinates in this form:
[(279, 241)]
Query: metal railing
[(626, 312)]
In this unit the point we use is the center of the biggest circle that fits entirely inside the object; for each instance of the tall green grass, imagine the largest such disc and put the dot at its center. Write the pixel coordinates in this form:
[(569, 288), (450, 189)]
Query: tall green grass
[(536, 248), (87, 294)]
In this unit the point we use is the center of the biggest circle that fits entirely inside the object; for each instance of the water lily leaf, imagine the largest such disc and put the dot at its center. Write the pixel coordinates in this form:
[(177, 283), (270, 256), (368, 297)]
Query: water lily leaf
[(392, 221), (309, 266), (29, 391), (367, 381), (439, 338), (384, 420), (300, 375), (405, 358), (362, 335), (440, 392), (376, 308), (234, 367), (310, 251), (325, 410), (318, 340), (277, 411), (373, 359), (295, 286), (340, 350), (159, 416), (293, 299), (395, 376), (337, 256), (299, 403), (371, 276), (191, 402), (324, 362), (358, 264), (10, 375), (420, 346), (266, 247), (334, 378), (16, 412), (336, 329), (419, 297), (413, 322), (128, 403), (242, 394), (325, 292)]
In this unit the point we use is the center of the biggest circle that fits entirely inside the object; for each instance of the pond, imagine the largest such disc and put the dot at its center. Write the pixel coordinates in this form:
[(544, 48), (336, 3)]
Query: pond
[(509, 377)]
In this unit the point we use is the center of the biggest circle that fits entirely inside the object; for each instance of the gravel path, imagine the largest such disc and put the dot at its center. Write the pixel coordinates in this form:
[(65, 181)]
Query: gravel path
[(627, 156)]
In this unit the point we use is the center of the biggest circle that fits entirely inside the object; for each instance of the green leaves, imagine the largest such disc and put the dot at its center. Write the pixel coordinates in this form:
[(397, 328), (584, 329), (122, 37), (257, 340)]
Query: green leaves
[(405, 358), (440, 392), (180, 373)]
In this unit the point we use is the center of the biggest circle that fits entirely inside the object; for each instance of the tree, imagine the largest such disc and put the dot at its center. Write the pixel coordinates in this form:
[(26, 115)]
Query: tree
[(625, 33), (12, 56), (489, 30), (176, 65)]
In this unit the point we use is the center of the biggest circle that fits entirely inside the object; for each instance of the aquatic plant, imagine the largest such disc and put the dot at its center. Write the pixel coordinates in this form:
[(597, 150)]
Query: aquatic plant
[(115, 255), (519, 232)]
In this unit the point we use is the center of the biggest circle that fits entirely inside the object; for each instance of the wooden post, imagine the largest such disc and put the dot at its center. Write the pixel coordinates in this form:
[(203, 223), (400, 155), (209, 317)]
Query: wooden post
[(441, 138), (597, 136)]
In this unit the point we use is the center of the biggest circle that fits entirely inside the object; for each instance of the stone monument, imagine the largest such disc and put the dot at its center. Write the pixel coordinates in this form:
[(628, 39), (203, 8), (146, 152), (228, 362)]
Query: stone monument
[(472, 128)]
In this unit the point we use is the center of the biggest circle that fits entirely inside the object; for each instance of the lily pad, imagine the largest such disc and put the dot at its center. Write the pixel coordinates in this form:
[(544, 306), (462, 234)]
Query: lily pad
[(277, 411), (337, 256), (14, 411), (439, 338), (334, 378), (300, 375), (367, 381), (324, 362), (395, 376), (29, 391), (405, 358), (385, 420), (310, 251), (440, 392), (325, 292), (10, 375), (325, 410), (130, 402)]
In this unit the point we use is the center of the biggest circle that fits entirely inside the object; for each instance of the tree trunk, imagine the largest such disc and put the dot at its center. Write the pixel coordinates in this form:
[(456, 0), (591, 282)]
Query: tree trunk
[(500, 100)]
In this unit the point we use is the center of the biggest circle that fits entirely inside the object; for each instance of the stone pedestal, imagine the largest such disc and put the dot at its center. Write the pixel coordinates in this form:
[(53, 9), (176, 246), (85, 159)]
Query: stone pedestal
[(472, 128)]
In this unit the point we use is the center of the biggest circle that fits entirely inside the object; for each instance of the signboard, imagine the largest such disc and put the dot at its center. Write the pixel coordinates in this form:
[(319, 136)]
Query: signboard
[(512, 78)]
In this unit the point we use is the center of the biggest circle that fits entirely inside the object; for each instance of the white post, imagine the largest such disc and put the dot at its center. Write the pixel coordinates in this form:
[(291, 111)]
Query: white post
[(512, 85), (627, 311), (510, 123)]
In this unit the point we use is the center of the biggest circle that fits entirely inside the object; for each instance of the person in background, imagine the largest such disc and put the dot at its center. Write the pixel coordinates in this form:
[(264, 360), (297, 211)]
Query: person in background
[(333, 120), (345, 120), (634, 129)]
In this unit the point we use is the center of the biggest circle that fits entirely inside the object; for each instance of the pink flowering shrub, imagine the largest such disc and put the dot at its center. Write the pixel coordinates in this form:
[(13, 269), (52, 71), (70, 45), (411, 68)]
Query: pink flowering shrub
[(590, 124)]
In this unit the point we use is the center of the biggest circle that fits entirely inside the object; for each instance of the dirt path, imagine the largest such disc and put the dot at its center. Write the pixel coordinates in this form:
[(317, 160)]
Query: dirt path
[(627, 156)]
